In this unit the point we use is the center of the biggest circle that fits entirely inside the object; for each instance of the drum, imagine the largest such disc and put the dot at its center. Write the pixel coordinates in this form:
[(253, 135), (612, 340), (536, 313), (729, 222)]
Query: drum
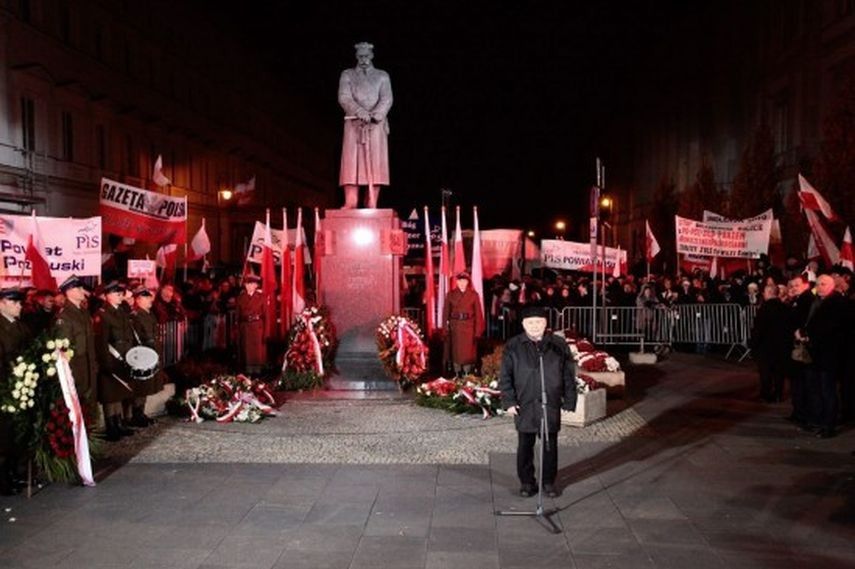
[(143, 362)]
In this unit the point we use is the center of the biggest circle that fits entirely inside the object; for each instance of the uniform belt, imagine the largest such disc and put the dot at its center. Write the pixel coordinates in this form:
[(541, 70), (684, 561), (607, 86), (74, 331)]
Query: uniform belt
[(250, 318), (460, 316)]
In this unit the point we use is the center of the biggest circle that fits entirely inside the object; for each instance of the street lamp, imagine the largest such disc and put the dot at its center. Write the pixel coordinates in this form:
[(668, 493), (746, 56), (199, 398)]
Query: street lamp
[(560, 227), (224, 198), (530, 233)]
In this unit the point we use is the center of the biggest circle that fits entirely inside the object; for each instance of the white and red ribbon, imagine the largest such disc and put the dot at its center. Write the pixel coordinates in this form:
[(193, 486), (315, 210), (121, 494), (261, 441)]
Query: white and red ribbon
[(404, 327), (316, 344), (75, 414)]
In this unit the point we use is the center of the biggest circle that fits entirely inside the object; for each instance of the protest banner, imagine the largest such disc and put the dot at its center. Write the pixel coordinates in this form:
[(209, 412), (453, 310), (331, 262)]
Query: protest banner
[(572, 256), (256, 246), (141, 268), (141, 214), (70, 246), (729, 239)]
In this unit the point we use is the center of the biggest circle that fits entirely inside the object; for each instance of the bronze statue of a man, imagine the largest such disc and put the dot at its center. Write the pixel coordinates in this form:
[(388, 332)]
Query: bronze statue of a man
[(365, 94)]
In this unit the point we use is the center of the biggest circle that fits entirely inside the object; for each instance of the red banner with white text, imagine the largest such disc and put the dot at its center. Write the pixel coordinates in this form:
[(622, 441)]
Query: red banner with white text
[(141, 214)]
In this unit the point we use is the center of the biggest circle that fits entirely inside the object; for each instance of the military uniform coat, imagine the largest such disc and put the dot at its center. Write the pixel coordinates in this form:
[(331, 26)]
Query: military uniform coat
[(463, 324), (250, 313), (145, 325), (14, 337), (75, 324), (519, 381), (113, 328)]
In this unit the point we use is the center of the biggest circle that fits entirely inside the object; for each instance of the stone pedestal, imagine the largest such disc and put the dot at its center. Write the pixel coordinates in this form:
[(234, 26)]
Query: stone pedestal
[(361, 285), (590, 407)]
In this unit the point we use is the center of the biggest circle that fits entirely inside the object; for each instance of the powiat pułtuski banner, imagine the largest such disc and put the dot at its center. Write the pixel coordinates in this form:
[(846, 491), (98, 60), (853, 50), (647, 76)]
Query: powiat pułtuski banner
[(141, 214)]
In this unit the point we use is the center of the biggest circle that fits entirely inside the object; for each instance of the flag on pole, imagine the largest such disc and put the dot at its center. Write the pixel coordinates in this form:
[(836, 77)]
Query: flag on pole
[(617, 267), (319, 245), (39, 267), (299, 286), (165, 259), (812, 200), (444, 273), (201, 244), (268, 280), (430, 293), (847, 254), (477, 271), (714, 268), (459, 259), (245, 191), (157, 176), (812, 251), (286, 297), (651, 247), (822, 240)]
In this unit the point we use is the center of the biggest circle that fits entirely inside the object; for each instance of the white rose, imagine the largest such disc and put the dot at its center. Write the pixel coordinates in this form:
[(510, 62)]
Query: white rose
[(16, 394), (54, 356), (69, 354), (35, 377), (51, 371), (51, 345), (19, 384), (20, 359), (23, 405), (18, 371), (24, 397), (31, 367), (66, 343), (31, 403), (46, 358)]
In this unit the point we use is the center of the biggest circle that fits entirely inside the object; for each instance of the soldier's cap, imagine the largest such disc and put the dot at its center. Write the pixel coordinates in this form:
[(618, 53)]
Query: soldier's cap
[(363, 46), (11, 293), (71, 282), (251, 279), (142, 291), (463, 275), (113, 286), (533, 311)]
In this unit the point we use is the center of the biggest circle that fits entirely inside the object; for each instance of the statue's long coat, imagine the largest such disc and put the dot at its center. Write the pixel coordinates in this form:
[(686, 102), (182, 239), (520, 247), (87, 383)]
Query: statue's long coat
[(372, 91)]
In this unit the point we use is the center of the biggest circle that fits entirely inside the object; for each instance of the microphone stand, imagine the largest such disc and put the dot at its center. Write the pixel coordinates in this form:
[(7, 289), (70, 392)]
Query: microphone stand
[(544, 517)]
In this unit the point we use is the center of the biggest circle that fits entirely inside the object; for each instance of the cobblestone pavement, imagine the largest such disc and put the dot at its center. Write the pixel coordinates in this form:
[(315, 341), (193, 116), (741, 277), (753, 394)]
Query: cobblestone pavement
[(363, 432)]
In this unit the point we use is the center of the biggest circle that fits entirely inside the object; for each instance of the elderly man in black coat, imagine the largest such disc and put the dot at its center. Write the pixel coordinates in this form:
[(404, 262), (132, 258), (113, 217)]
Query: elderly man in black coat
[(772, 342), (524, 357)]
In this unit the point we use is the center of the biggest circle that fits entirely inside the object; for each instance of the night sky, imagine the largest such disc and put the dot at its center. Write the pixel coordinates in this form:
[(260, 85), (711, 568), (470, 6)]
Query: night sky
[(491, 98)]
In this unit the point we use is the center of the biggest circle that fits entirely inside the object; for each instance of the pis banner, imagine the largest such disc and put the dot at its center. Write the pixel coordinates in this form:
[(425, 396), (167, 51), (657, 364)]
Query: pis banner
[(571, 256), (256, 246), (140, 214), (72, 246)]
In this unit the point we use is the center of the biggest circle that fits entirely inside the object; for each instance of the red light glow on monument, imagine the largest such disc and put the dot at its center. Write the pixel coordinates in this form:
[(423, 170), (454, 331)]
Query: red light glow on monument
[(363, 236)]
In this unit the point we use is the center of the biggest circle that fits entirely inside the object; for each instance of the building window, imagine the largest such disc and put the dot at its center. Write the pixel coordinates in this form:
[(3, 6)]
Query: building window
[(67, 136), (28, 123), (132, 165), (101, 146)]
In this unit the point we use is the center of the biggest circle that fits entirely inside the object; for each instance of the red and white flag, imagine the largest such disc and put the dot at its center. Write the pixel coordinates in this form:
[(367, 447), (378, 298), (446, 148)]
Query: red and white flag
[(286, 298), (459, 259), (477, 272), (157, 176), (39, 267), (299, 286), (847, 254), (714, 268), (812, 251), (245, 191), (430, 292), (616, 270), (319, 245), (268, 280), (812, 200), (444, 273), (651, 245), (165, 259), (822, 240), (201, 244)]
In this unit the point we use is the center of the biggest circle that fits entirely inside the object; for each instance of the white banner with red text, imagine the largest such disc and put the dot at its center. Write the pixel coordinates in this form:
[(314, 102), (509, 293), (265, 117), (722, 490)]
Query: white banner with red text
[(572, 256), (141, 214), (729, 239)]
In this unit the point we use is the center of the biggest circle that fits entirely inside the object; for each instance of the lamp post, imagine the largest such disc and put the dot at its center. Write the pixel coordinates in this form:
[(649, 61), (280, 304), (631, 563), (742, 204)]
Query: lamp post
[(224, 198), (560, 227)]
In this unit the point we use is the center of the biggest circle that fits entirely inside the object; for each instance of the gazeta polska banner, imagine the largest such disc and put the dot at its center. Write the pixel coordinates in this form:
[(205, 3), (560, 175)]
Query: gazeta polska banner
[(70, 246), (747, 239), (141, 214), (256, 246), (572, 256)]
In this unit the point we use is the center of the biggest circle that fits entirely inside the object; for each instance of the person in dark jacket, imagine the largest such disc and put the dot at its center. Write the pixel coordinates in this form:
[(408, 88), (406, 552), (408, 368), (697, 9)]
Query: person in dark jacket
[(772, 342), (520, 384), (14, 337), (463, 324), (145, 326), (801, 299), (74, 323)]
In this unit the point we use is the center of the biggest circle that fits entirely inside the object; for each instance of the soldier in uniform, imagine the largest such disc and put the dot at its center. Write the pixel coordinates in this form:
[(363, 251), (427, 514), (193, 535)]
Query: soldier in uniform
[(74, 323), (114, 336), (14, 336), (145, 326), (463, 324), (252, 356)]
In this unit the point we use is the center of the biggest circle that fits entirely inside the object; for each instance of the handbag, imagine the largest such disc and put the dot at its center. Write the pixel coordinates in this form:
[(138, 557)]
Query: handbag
[(801, 353)]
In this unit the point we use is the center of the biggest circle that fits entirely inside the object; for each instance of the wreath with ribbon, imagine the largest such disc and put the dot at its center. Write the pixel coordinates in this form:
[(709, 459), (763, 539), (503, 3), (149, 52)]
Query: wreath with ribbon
[(402, 349), (311, 345)]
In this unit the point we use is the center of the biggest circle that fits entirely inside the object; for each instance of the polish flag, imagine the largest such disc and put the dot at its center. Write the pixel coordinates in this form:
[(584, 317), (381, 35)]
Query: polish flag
[(822, 240), (651, 245), (39, 267), (430, 293), (477, 266), (299, 286), (847, 255), (158, 176), (245, 191), (165, 259), (616, 269), (286, 298), (319, 245), (812, 251), (812, 200), (201, 244), (459, 257), (268, 280), (444, 273)]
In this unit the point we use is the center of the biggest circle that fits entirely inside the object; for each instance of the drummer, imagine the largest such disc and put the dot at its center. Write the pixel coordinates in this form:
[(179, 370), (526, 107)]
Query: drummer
[(145, 325), (114, 336)]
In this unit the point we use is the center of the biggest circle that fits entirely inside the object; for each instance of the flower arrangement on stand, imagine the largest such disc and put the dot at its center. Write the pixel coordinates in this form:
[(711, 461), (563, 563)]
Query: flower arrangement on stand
[(470, 394), (402, 349), (311, 348), (588, 357), (34, 397), (230, 398)]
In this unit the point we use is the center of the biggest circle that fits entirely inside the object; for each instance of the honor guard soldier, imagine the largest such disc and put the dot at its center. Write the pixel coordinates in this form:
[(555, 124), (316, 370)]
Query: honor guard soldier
[(145, 325), (74, 323), (14, 337), (114, 336), (250, 314), (464, 323)]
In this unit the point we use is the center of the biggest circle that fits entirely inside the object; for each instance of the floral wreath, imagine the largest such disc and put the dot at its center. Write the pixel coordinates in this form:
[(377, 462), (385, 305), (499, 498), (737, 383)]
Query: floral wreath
[(228, 398), (311, 344), (402, 349)]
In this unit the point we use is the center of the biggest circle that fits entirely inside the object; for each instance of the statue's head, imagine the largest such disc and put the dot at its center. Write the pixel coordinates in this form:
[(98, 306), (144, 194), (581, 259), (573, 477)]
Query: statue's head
[(364, 54)]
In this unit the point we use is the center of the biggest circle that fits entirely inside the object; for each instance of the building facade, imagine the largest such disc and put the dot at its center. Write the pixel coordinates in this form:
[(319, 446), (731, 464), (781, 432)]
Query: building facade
[(101, 88)]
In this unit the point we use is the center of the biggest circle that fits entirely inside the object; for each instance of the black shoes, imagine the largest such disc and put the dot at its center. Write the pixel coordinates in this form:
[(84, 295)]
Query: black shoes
[(527, 491), (551, 491)]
